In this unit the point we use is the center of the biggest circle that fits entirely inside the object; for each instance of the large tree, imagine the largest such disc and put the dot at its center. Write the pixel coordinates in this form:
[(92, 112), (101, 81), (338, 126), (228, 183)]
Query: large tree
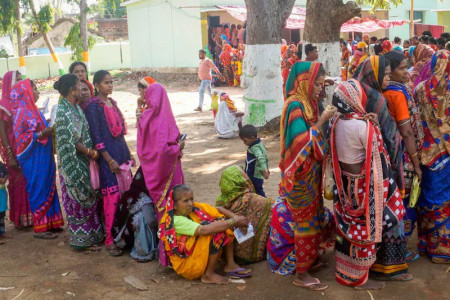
[(261, 75)]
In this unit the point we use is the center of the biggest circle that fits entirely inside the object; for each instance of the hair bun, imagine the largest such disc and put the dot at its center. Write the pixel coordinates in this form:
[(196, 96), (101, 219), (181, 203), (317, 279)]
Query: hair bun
[(57, 85)]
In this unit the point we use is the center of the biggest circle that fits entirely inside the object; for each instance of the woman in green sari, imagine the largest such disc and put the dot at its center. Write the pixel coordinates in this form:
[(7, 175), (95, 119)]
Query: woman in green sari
[(239, 196), (74, 150)]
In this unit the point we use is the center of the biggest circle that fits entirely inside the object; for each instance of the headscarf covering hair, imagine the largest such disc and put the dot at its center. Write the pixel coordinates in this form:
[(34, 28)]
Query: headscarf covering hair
[(370, 74), (147, 81), (361, 45), (91, 88), (27, 117), (422, 55), (387, 46), (230, 103), (283, 49), (8, 81)]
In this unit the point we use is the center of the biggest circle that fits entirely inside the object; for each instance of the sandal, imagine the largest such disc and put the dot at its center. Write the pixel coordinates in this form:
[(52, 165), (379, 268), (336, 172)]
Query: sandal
[(439, 260), (93, 248), (45, 235), (400, 277), (411, 256), (239, 273), (313, 286), (114, 251)]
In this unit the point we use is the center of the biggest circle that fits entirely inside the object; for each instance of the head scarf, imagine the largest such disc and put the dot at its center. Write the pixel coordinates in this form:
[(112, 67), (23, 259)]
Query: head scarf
[(361, 45), (225, 56), (387, 46), (422, 55), (233, 184), (8, 81), (157, 141), (370, 74), (91, 88), (433, 97), (147, 81), (230, 103), (27, 117), (296, 142), (283, 50), (86, 103), (425, 74)]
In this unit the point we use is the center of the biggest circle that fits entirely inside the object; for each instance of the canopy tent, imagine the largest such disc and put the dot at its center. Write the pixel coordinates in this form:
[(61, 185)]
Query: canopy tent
[(297, 20)]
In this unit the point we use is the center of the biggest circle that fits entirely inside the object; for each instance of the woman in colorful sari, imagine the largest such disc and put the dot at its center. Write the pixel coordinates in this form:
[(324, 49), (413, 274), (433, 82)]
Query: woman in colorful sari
[(196, 234), (239, 196), (345, 60), (433, 97), (142, 86), (302, 151), (108, 129), (86, 93), (374, 76), (74, 150), (225, 60), (35, 157), (422, 54), (366, 195), (228, 120), (403, 109), (19, 207), (159, 150)]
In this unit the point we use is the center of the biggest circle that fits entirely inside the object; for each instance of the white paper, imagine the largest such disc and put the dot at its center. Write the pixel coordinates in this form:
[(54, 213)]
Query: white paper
[(240, 237)]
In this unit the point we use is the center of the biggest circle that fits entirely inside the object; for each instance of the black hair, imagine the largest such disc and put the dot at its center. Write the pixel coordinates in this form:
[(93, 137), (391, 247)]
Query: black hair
[(77, 63), (446, 36), (415, 37), (432, 40), (32, 83), (321, 71), (378, 48), (407, 41), (374, 39), (98, 77), (248, 131), (65, 83), (140, 85), (425, 38), (225, 26), (427, 33), (309, 48), (179, 189), (395, 58), (202, 51), (441, 41), (397, 40), (447, 46)]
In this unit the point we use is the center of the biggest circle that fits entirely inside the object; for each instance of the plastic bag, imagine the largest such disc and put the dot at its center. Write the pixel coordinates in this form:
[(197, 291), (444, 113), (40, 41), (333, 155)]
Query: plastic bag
[(95, 180), (415, 192), (328, 179)]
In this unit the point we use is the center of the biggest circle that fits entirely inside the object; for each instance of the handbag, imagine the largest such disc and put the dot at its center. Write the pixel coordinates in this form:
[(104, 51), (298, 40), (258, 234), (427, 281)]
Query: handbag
[(94, 171), (415, 192)]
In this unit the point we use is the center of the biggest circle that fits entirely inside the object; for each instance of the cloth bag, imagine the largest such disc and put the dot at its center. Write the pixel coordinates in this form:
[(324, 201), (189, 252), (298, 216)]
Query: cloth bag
[(328, 179), (95, 179)]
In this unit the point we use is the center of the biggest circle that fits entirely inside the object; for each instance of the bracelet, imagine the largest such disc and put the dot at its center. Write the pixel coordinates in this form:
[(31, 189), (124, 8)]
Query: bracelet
[(111, 162), (88, 152), (415, 154), (231, 222)]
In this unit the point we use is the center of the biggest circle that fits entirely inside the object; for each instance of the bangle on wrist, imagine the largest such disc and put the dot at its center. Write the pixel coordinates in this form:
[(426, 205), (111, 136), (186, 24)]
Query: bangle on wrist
[(111, 162), (88, 152), (415, 154)]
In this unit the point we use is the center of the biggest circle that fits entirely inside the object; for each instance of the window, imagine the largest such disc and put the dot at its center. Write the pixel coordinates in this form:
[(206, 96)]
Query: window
[(418, 15)]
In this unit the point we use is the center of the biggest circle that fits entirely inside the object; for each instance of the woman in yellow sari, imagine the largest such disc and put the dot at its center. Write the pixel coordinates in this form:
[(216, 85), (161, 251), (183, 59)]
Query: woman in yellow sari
[(194, 235)]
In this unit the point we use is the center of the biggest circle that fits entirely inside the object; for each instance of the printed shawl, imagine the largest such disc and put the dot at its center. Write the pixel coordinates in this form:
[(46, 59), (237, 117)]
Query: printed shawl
[(299, 135), (177, 244), (27, 117), (422, 55), (8, 81), (370, 74), (433, 97), (72, 128), (233, 184)]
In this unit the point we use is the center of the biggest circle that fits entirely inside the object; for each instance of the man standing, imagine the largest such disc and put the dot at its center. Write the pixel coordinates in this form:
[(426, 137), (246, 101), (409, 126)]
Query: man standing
[(204, 73), (240, 35), (311, 52)]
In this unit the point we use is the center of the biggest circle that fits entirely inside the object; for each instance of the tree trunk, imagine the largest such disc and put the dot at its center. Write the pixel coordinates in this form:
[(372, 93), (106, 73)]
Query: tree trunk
[(83, 30), (326, 34), (261, 74), (22, 66), (46, 39)]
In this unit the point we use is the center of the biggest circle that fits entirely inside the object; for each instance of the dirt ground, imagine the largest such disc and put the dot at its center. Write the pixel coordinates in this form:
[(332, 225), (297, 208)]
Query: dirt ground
[(39, 269)]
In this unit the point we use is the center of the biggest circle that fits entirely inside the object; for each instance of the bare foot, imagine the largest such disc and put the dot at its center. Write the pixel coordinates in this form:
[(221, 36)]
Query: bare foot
[(371, 285), (215, 278)]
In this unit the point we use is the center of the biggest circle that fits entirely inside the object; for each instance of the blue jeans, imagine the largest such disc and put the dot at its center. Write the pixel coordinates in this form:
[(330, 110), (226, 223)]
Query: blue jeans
[(204, 86), (258, 184)]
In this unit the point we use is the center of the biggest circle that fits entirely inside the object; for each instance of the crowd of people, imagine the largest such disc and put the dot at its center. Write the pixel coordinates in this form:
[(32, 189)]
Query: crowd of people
[(385, 135)]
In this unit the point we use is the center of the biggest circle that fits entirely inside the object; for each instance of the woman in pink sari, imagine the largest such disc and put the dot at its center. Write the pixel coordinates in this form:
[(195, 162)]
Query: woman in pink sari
[(159, 150), (19, 207)]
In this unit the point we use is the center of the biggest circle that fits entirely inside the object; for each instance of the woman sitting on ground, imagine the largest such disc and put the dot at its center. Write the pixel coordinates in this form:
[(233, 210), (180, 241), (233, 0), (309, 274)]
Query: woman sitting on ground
[(239, 196), (228, 120), (194, 235)]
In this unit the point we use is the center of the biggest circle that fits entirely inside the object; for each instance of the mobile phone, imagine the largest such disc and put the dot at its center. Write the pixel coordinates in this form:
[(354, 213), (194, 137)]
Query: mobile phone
[(183, 137)]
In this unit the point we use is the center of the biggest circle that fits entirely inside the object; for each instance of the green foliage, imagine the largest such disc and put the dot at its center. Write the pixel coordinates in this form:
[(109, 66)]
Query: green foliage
[(45, 17), (380, 4), (112, 8), (74, 41), (3, 53), (7, 16)]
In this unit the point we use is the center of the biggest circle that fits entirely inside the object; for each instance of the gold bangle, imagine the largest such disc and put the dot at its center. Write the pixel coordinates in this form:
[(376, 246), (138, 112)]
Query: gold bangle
[(88, 151), (415, 154), (111, 162)]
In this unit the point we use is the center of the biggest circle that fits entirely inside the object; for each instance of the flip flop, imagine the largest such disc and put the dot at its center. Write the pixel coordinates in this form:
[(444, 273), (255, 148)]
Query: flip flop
[(114, 250), (394, 278), (410, 256), (313, 286), (45, 235), (236, 275)]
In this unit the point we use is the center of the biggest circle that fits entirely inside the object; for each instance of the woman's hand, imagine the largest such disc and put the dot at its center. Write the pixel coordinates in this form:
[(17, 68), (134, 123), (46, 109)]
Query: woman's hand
[(326, 115), (418, 171), (114, 167), (47, 131), (373, 117), (240, 221), (133, 159), (12, 162), (182, 144)]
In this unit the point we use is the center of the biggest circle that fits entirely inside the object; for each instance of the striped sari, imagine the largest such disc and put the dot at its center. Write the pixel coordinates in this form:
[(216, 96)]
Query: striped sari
[(302, 151)]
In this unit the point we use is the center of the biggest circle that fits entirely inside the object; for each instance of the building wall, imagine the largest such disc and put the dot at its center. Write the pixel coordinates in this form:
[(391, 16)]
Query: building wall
[(106, 56), (163, 35), (444, 19), (57, 35), (113, 29)]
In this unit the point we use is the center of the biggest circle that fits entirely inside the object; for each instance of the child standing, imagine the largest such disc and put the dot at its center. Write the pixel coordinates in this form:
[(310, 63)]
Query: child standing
[(214, 103), (257, 162), (3, 202)]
